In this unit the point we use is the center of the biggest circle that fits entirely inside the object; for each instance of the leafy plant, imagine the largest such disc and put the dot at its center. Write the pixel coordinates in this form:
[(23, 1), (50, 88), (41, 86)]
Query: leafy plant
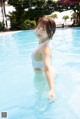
[(65, 17), (27, 24), (54, 16)]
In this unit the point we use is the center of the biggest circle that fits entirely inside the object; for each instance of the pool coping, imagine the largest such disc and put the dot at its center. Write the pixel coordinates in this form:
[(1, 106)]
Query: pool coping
[(4, 33)]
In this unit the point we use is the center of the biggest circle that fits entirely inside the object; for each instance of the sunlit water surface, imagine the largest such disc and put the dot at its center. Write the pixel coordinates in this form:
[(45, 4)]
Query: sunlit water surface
[(21, 96)]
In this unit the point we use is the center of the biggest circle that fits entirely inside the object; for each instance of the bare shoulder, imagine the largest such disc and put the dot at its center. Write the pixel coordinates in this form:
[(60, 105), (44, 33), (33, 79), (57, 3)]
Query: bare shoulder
[(46, 50)]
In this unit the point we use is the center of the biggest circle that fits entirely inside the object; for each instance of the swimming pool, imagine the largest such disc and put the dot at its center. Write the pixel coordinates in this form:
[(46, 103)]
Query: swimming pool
[(20, 96)]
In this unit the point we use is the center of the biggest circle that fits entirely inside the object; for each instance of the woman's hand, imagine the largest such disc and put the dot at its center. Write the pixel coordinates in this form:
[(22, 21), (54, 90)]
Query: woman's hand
[(52, 95)]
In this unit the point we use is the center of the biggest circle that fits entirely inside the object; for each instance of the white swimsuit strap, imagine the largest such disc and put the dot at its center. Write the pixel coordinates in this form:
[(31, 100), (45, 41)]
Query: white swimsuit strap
[(41, 45)]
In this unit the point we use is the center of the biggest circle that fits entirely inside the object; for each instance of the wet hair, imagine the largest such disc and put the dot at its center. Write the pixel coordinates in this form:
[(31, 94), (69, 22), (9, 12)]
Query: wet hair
[(49, 24)]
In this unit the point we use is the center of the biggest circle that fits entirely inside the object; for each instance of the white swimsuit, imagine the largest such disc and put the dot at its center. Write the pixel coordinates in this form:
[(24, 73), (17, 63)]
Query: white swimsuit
[(39, 64)]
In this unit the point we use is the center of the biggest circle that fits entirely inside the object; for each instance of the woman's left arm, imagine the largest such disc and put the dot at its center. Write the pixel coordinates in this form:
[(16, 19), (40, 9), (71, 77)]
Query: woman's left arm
[(46, 55)]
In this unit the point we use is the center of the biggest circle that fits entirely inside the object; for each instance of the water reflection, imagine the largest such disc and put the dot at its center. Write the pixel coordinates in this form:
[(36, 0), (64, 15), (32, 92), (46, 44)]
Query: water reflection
[(42, 103)]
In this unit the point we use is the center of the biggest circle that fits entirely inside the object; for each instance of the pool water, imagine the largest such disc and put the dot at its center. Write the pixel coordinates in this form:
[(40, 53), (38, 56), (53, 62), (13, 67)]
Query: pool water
[(21, 96)]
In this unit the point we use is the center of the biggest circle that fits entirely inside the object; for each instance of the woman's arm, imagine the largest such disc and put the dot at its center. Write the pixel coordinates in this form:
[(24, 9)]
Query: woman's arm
[(46, 55)]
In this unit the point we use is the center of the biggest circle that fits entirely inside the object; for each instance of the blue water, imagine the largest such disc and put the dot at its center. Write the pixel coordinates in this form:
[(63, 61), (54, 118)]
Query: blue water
[(20, 96)]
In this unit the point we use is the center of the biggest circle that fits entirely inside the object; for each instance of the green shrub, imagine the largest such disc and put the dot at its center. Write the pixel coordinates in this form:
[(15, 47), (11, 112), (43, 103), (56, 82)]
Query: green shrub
[(33, 24), (27, 24), (13, 21), (20, 23)]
